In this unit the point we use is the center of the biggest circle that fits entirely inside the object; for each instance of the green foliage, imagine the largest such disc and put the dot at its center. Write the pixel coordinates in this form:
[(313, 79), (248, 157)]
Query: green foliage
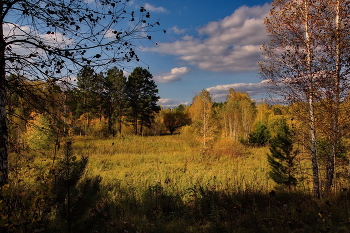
[(282, 157), (89, 92), (114, 99), (75, 196), (260, 136), (40, 134), (141, 99)]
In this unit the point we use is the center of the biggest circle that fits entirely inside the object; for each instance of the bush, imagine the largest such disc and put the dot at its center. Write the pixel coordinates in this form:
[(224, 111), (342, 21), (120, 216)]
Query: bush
[(228, 146), (99, 128), (39, 134), (188, 133)]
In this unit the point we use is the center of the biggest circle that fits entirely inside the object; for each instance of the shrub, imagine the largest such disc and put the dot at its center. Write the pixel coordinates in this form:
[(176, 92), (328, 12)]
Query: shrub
[(188, 134), (228, 146), (39, 134), (99, 128)]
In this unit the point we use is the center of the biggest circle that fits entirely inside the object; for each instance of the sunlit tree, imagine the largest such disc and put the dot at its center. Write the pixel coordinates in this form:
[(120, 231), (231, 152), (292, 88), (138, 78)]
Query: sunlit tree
[(307, 60), (201, 112), (238, 115)]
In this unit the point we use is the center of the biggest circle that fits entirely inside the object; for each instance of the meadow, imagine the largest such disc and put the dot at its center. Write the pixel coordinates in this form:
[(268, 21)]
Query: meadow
[(168, 184)]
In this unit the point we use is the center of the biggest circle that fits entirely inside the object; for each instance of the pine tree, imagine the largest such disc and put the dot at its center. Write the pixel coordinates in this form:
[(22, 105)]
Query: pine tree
[(282, 157), (141, 98), (114, 98)]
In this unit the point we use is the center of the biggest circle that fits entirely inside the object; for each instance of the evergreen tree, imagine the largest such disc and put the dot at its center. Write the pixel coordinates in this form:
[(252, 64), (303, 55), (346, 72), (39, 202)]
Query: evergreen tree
[(75, 194), (141, 98), (89, 94), (282, 157), (260, 136), (114, 98)]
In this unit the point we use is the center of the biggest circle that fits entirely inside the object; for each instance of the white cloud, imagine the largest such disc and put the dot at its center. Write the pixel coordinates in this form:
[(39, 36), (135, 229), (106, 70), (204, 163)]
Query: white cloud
[(151, 8), (17, 32), (174, 75), (228, 45), (171, 103), (126, 73), (177, 30), (220, 92)]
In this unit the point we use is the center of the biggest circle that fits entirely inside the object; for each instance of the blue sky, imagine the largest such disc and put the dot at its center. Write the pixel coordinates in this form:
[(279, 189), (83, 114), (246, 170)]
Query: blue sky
[(209, 44)]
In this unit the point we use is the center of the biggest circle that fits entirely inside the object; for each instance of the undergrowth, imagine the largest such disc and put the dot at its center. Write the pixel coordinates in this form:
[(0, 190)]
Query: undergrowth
[(159, 184)]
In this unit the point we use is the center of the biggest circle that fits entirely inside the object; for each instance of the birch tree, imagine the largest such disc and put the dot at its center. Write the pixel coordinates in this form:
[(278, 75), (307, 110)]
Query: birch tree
[(238, 115), (307, 61), (201, 112)]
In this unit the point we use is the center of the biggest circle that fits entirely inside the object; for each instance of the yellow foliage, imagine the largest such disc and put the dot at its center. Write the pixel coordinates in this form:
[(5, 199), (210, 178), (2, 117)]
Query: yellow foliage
[(228, 146)]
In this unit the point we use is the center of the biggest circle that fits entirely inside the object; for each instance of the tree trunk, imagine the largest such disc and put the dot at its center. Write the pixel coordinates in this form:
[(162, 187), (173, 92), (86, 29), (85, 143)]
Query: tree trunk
[(336, 100), (3, 119), (313, 150), (120, 127)]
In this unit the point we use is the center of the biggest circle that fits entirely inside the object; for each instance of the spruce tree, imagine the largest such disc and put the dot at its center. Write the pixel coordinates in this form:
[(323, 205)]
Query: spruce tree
[(282, 157), (260, 136)]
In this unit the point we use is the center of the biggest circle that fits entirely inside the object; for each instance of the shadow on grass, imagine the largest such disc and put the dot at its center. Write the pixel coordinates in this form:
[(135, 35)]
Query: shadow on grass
[(199, 209), (209, 210)]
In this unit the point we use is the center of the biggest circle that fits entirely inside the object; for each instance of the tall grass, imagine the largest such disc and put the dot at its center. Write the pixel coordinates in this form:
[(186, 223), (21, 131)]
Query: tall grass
[(167, 184), (140, 162)]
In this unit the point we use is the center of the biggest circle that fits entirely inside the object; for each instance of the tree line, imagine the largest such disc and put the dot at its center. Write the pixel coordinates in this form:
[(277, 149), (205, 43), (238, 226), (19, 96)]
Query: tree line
[(107, 98), (118, 99)]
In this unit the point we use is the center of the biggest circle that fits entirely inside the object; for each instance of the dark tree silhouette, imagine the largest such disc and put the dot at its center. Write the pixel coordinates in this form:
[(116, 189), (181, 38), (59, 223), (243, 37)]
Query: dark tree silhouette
[(282, 157), (51, 39), (141, 98)]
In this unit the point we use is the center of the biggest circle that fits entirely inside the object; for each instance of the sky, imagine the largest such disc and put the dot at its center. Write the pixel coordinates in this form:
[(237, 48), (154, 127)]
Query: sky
[(208, 44)]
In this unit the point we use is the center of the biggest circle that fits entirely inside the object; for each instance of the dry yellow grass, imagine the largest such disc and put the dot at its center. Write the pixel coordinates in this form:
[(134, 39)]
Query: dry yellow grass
[(172, 161)]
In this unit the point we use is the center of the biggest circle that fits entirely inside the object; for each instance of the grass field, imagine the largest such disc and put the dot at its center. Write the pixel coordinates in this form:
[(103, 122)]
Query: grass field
[(139, 162), (168, 184)]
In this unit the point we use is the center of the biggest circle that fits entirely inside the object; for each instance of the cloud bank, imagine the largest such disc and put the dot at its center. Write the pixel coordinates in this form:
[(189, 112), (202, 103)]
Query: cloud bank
[(171, 103), (228, 45), (220, 92), (173, 76)]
